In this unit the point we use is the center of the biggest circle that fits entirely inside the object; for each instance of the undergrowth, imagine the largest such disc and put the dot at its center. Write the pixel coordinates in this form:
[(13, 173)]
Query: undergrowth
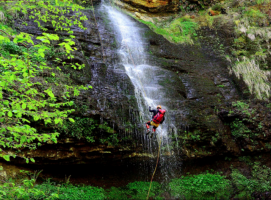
[(182, 30), (202, 186)]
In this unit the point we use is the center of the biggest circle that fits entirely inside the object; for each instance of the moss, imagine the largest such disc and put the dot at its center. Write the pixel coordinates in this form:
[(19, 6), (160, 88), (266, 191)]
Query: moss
[(217, 7), (180, 30)]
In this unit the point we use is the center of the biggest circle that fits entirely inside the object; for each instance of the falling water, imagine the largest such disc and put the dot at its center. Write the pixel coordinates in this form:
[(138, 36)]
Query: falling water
[(148, 91)]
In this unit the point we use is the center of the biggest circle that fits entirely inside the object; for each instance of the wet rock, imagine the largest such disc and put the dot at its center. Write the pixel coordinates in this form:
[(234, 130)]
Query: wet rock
[(199, 89)]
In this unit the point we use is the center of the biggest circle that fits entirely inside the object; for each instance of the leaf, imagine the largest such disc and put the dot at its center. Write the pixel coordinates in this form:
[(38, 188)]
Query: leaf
[(6, 157), (32, 160), (27, 160), (71, 120), (23, 106), (9, 113), (57, 120)]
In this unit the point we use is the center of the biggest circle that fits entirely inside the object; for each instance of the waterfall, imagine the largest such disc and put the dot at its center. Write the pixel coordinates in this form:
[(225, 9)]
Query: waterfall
[(148, 90)]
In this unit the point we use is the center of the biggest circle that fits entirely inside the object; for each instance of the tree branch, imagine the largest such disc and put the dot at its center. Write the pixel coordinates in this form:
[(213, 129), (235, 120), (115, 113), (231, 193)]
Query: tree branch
[(10, 37)]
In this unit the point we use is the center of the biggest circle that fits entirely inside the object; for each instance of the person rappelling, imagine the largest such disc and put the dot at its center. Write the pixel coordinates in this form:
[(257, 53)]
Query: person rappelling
[(158, 117)]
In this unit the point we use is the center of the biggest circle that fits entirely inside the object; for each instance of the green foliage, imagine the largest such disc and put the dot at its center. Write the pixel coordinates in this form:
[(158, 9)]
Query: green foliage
[(246, 159), (239, 129), (217, 7), (23, 98), (9, 48), (69, 191), (259, 182), (53, 12), (81, 127), (87, 128), (183, 29), (243, 107), (135, 190), (180, 30), (48, 190), (253, 13), (255, 16), (106, 128), (262, 1), (202, 186), (117, 194)]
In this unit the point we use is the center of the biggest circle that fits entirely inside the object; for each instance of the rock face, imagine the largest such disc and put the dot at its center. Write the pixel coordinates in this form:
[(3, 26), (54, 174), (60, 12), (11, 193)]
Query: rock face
[(111, 102), (200, 95), (75, 151)]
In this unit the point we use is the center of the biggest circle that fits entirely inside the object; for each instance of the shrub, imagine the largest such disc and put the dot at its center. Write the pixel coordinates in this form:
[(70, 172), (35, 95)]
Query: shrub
[(49, 190), (259, 181), (82, 127), (202, 186), (11, 47), (136, 190), (256, 17)]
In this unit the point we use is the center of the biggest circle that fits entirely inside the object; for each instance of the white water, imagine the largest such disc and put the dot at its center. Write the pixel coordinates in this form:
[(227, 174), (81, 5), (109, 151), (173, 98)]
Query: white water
[(148, 91)]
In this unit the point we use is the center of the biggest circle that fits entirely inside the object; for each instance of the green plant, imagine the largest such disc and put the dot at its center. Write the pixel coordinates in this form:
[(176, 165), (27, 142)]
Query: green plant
[(217, 7), (135, 190), (201, 186), (246, 159), (262, 1), (259, 182), (22, 99), (80, 128), (180, 30), (243, 107), (239, 129), (117, 194), (106, 128), (48, 190)]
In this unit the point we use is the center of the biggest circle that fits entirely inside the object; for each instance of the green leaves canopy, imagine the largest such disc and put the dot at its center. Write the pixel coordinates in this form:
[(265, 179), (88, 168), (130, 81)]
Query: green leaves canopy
[(23, 99)]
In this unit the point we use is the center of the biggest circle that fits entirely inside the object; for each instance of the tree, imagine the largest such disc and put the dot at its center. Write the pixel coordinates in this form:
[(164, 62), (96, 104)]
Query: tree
[(23, 98)]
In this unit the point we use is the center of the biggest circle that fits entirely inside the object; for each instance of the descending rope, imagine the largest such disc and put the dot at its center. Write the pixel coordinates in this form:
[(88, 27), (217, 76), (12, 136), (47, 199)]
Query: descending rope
[(155, 168), (98, 31)]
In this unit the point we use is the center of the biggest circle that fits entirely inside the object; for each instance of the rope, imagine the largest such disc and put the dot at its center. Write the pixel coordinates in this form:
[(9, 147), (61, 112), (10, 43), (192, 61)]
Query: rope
[(155, 168), (98, 31)]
